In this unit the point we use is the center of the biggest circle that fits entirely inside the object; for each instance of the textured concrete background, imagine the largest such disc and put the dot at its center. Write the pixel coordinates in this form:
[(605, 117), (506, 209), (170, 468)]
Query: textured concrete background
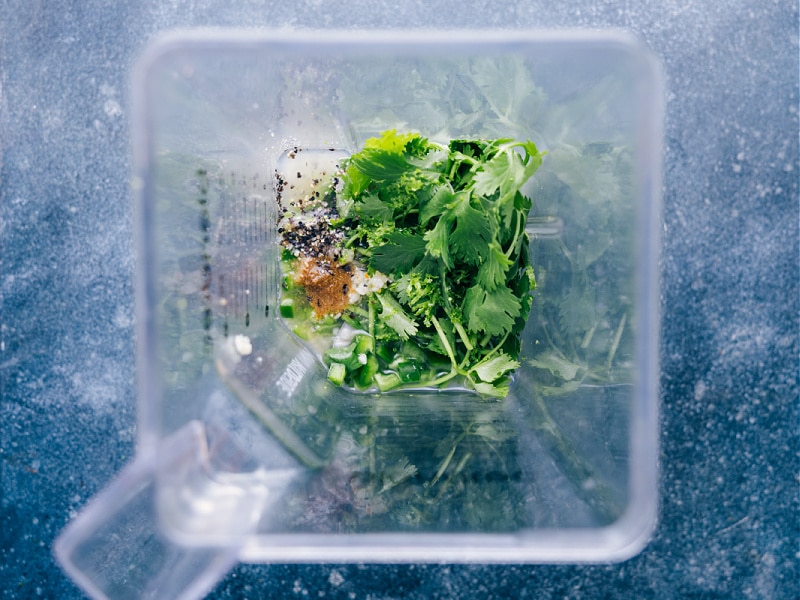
[(729, 511)]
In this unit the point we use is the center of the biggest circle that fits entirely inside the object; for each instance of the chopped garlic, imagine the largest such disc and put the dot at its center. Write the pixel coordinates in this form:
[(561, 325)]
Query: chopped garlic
[(345, 335), (364, 283), (377, 282)]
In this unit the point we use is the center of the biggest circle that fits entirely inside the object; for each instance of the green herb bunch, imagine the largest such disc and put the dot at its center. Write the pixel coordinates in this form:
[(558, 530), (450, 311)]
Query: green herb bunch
[(447, 225)]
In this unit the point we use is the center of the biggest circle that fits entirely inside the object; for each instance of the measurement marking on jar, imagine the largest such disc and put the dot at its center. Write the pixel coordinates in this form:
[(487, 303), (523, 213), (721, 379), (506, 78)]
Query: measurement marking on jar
[(294, 372)]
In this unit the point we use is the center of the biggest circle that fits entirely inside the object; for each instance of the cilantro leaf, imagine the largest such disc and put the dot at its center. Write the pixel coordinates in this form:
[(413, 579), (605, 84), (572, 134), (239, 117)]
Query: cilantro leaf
[(494, 368), (396, 473), (492, 273), (500, 173), (380, 165), (491, 390), (436, 205), (507, 171), (401, 252), (557, 365), (437, 240), (491, 312), (472, 233), (421, 292), (372, 208), (395, 317), (355, 182), (391, 141)]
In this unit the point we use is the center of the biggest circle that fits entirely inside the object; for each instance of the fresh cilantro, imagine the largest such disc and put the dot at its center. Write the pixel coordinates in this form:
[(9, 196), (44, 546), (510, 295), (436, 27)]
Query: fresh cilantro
[(493, 272), (436, 204), (396, 473), (581, 329), (491, 389), (380, 165), (399, 254), (438, 242), (394, 143), (472, 232), (440, 232), (395, 317), (373, 209), (447, 224), (494, 368), (492, 312)]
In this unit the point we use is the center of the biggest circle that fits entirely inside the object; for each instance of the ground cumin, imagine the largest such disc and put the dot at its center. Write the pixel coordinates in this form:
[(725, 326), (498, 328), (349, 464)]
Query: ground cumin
[(327, 285)]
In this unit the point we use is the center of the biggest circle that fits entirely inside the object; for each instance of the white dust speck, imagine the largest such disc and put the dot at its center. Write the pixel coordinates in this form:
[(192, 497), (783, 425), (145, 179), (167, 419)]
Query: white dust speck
[(335, 578), (112, 108), (122, 318), (736, 168), (298, 588), (700, 390)]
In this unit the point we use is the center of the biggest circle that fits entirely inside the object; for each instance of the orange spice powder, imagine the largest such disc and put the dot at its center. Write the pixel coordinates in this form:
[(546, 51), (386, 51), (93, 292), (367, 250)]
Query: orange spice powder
[(327, 285)]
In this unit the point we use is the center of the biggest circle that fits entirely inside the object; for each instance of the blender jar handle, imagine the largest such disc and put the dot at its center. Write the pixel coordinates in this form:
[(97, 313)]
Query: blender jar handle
[(117, 547)]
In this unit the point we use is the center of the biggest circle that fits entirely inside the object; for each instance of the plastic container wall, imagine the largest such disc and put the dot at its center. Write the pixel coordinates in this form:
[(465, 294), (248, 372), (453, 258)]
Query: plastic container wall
[(564, 469)]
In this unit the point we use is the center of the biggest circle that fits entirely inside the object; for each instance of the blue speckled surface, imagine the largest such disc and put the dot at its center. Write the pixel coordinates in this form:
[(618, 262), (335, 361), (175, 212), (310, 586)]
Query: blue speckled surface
[(730, 520)]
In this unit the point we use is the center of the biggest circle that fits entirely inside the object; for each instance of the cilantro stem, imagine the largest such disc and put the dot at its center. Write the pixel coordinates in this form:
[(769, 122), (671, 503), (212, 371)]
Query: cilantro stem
[(443, 379), (372, 469), (567, 253), (359, 311), (445, 463), (459, 158), (448, 458), (348, 243), (355, 324), (445, 342), (448, 307), (587, 339), (459, 467), (501, 116), (463, 335), (615, 344), (515, 241), (497, 347), (371, 317)]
